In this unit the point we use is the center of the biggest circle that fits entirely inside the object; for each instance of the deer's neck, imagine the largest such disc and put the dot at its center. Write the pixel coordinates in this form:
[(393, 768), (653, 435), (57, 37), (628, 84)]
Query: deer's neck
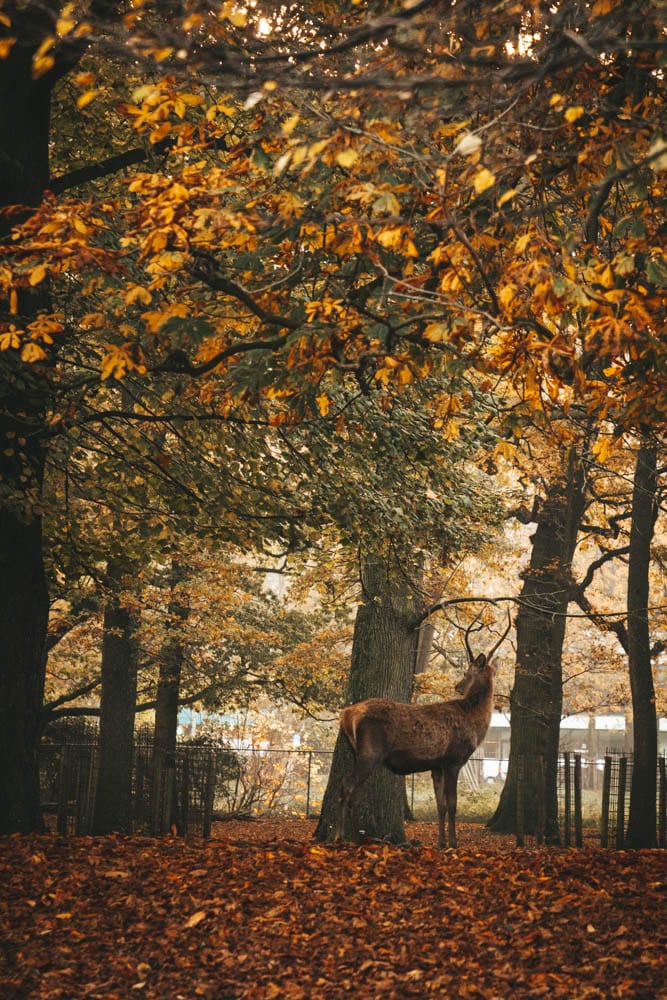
[(480, 701)]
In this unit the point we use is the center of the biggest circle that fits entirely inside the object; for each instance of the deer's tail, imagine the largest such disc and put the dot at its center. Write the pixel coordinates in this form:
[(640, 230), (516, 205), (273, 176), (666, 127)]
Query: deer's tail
[(350, 718)]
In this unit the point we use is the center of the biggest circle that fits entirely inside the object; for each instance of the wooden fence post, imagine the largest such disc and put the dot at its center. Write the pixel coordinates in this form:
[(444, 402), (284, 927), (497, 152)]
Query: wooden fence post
[(606, 799), (308, 777), (578, 832), (620, 802), (209, 796), (185, 790), (63, 789), (83, 768)]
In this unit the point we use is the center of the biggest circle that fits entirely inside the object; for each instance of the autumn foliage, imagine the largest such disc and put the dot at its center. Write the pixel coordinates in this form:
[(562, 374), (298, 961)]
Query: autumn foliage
[(263, 912)]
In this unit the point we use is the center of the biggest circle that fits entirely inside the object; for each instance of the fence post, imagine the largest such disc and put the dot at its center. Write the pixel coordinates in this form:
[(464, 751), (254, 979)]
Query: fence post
[(185, 789), (606, 799), (168, 782), (310, 767), (520, 792), (568, 799), (209, 796), (620, 804), (662, 802), (63, 789), (83, 761), (578, 832)]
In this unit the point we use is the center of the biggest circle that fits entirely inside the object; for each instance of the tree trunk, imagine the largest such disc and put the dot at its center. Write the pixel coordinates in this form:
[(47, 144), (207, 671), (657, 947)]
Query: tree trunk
[(536, 700), (642, 817), (113, 800), (384, 649), (24, 607), (24, 148), (166, 711)]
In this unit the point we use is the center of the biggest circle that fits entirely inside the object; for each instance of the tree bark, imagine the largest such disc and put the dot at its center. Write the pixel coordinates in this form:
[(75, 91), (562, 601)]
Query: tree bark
[(24, 606), (384, 650), (113, 800), (166, 708), (536, 699), (641, 830), (24, 171)]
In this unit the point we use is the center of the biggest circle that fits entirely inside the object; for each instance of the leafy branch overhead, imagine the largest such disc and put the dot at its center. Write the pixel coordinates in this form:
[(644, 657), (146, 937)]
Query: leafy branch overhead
[(495, 211)]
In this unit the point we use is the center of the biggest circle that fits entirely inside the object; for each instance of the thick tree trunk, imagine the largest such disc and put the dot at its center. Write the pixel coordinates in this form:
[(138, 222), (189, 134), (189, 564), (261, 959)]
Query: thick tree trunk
[(642, 816), (113, 800), (24, 149), (384, 650), (537, 697), (166, 713), (24, 606)]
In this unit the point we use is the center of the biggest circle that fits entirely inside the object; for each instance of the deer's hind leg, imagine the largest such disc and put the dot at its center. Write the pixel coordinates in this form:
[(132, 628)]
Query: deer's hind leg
[(444, 785), (438, 776), (451, 777)]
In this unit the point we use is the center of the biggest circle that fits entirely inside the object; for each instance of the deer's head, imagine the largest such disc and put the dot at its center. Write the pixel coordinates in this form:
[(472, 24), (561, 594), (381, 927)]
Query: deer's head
[(480, 668)]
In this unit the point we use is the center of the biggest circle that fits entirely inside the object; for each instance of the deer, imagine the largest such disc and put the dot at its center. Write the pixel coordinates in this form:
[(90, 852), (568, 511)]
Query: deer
[(408, 738)]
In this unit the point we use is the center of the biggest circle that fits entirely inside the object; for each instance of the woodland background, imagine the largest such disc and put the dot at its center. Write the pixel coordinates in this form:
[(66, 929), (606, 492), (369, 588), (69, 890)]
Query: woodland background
[(327, 332)]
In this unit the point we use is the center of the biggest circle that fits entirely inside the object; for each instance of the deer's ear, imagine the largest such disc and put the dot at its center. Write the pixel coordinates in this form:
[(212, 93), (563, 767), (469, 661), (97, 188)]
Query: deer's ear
[(480, 661)]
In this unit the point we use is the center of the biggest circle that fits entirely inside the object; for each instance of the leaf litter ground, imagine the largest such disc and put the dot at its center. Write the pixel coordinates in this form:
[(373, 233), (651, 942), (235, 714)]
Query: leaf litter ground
[(262, 911)]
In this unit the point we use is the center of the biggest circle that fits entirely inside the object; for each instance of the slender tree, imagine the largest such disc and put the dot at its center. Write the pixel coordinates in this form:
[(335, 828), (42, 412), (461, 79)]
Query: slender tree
[(641, 830), (113, 798), (537, 695), (166, 707)]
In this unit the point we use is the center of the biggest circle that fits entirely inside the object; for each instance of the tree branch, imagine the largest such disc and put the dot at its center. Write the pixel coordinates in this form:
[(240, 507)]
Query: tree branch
[(49, 706)]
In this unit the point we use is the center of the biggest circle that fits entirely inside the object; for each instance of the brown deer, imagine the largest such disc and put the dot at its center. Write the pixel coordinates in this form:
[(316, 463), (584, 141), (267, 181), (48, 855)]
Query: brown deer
[(437, 737)]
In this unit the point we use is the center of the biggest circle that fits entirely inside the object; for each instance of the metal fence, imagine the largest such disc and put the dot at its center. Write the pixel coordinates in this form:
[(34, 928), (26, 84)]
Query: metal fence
[(203, 783)]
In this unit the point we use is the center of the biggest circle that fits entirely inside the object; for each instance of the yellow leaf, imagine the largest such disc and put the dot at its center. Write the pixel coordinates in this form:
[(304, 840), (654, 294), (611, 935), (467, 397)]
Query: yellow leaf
[(10, 339), (37, 274), (392, 236), (43, 60), (32, 352), (160, 132), (505, 450), (483, 180), (86, 98), (507, 196), (138, 294), (572, 113), (436, 332), (386, 202), (289, 124), (114, 363), (347, 157), (522, 242), (196, 918), (506, 294), (323, 404)]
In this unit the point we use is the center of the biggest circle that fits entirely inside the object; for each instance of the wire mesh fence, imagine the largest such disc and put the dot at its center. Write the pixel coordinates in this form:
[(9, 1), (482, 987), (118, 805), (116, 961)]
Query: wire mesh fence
[(186, 791)]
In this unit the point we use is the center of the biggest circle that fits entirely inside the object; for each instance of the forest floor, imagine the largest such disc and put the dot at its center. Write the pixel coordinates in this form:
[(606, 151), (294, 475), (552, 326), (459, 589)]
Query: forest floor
[(261, 911)]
